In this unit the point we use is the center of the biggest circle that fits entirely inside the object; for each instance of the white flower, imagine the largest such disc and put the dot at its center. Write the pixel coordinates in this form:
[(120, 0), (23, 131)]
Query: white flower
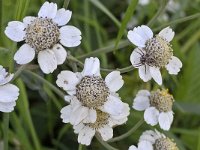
[(153, 53), (42, 36), (8, 92), (144, 2), (154, 140), (157, 106), (103, 126), (89, 92)]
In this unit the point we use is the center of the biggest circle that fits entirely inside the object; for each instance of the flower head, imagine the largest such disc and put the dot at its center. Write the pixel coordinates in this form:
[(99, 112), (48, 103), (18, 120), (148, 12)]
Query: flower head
[(42, 35), (89, 92), (154, 140), (157, 105), (153, 53), (9, 92), (103, 126)]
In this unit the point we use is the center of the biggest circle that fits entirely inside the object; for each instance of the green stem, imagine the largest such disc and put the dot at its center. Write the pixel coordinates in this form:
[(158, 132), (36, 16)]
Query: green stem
[(80, 147), (106, 49), (130, 132), (177, 21), (51, 86), (18, 72), (159, 12), (106, 145), (6, 129), (66, 3)]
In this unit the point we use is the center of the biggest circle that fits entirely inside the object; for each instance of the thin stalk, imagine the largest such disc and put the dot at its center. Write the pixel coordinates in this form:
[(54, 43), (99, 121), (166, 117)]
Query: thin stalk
[(159, 12), (18, 72), (106, 145), (122, 70), (106, 49), (51, 86), (66, 3), (130, 132), (6, 129), (177, 21), (80, 147)]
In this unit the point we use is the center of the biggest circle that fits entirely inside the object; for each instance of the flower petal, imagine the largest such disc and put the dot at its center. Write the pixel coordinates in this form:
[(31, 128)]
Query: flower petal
[(78, 128), (62, 17), (15, 31), (150, 136), (139, 35), (66, 113), (143, 93), (68, 81), (106, 132), (79, 115), (91, 67), (114, 81), (123, 114), (60, 53), (167, 34), (24, 55), (91, 117), (144, 31), (47, 61), (145, 145), (132, 147), (174, 65), (156, 75), (48, 10), (5, 77), (144, 73), (113, 106), (151, 116), (85, 135), (165, 120), (141, 103), (28, 20), (136, 57), (7, 107), (70, 36), (9, 93)]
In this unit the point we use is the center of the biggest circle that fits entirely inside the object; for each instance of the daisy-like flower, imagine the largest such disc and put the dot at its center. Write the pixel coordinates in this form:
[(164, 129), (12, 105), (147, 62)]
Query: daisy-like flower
[(154, 140), (157, 105), (89, 92), (153, 53), (8, 92), (103, 126), (42, 35)]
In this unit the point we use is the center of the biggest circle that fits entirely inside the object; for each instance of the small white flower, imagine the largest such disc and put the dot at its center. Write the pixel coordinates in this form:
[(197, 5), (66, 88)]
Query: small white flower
[(103, 126), (153, 53), (89, 92), (154, 140), (144, 2), (157, 106), (8, 92), (42, 36)]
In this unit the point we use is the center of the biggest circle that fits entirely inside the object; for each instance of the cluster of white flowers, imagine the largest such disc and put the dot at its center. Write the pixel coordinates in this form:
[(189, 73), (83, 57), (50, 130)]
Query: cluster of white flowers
[(95, 107), (94, 104)]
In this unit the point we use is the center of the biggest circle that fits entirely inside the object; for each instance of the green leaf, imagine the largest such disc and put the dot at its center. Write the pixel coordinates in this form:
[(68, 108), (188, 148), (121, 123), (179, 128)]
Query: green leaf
[(99, 5), (189, 81), (127, 17)]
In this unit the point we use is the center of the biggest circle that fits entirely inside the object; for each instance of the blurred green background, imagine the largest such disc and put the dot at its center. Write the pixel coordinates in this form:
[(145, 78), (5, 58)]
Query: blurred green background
[(35, 123)]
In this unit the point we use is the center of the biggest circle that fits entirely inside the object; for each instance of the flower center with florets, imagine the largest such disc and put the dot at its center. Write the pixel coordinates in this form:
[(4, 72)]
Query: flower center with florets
[(102, 119), (92, 91), (42, 34), (158, 52), (165, 144), (162, 100)]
